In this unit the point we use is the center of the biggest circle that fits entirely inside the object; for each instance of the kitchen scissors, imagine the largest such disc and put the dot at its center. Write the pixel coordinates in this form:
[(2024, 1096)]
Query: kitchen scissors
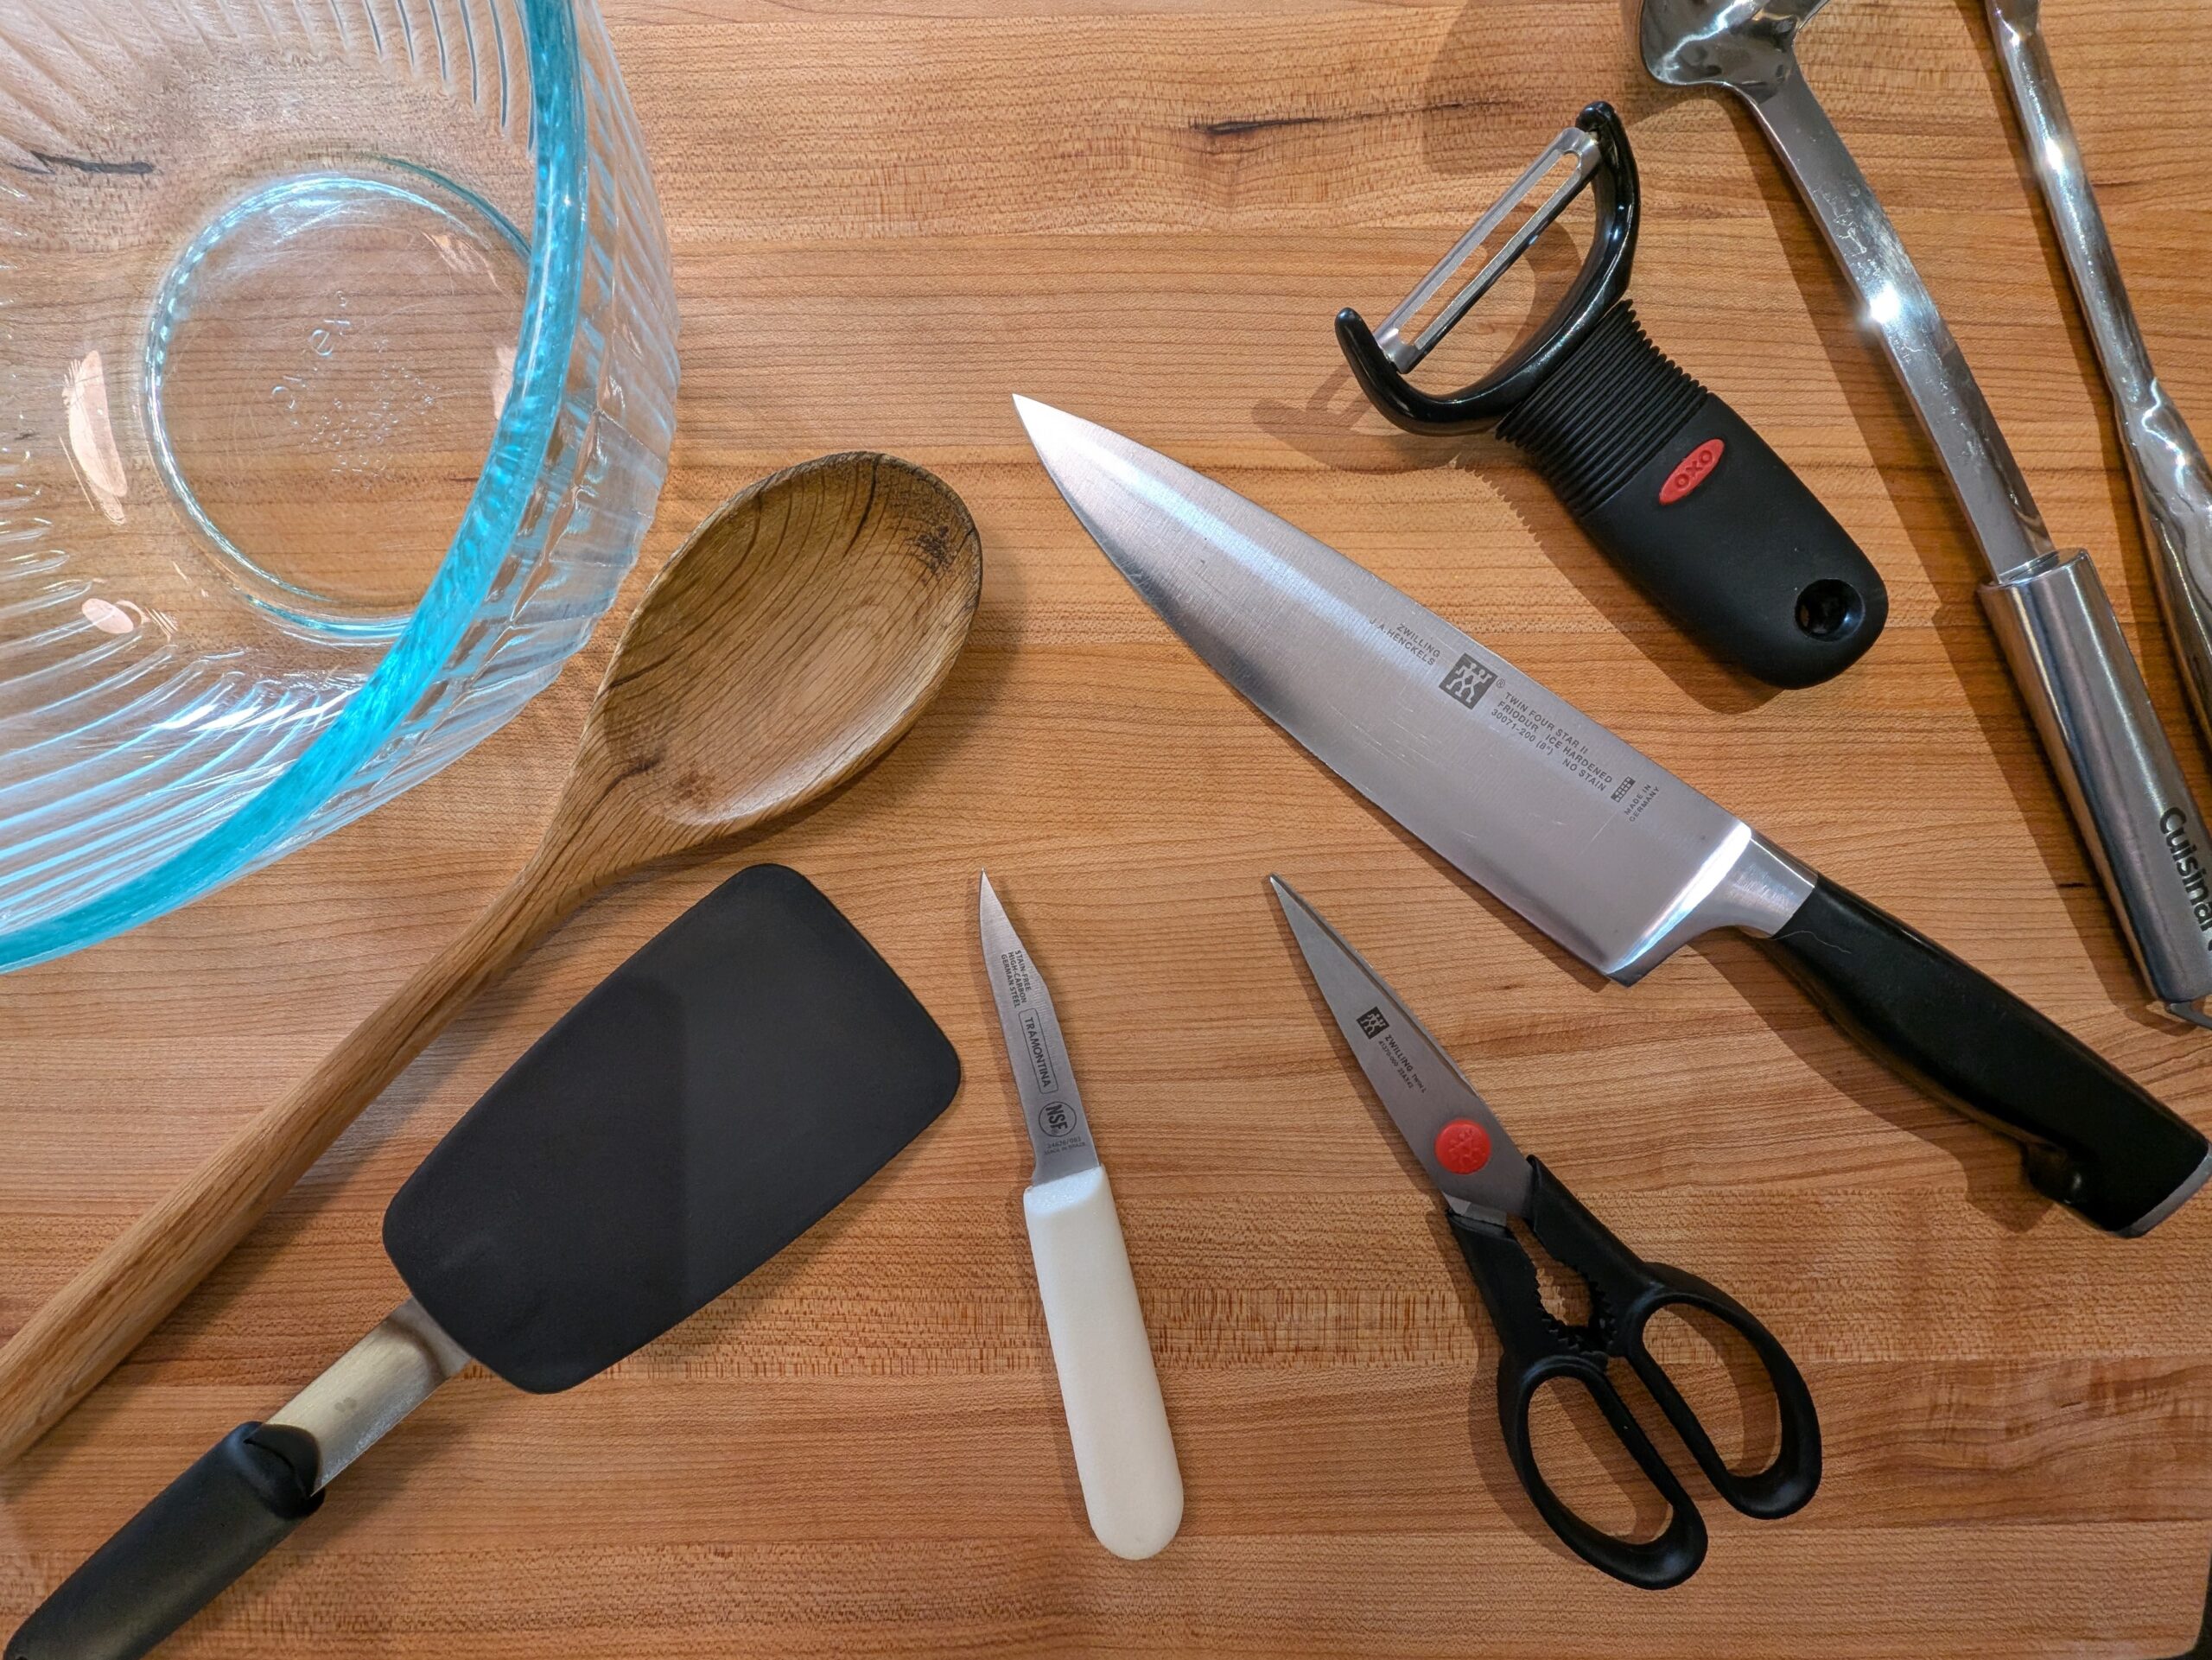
[(1487, 1182)]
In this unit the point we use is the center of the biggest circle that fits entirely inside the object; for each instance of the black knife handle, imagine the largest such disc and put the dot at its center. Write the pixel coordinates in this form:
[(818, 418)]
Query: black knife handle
[(2094, 1139), (168, 1562), (1698, 511)]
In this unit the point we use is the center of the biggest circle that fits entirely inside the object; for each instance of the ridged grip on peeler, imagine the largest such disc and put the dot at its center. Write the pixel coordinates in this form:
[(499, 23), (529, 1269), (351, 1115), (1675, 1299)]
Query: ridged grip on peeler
[(1604, 412), (1698, 510)]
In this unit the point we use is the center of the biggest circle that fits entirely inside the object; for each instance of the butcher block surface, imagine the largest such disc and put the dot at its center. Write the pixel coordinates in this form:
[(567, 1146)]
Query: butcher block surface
[(888, 215)]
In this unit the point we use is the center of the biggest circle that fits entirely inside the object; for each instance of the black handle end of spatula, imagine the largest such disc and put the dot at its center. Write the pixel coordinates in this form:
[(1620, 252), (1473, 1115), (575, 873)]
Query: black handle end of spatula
[(2095, 1141), (171, 1560)]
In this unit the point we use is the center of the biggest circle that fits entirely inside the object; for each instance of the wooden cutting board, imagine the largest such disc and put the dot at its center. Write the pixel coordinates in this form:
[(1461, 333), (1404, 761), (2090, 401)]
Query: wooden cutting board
[(885, 218)]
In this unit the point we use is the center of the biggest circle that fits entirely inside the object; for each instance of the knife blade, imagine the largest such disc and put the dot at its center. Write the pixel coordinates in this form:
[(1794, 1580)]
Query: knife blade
[(1422, 1089), (1051, 1106), (1600, 846), (1592, 841), (1109, 1391)]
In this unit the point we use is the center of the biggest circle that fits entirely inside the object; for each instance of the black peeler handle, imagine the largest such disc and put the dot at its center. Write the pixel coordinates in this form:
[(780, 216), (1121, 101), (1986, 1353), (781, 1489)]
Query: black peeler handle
[(1665, 478), (1689, 501)]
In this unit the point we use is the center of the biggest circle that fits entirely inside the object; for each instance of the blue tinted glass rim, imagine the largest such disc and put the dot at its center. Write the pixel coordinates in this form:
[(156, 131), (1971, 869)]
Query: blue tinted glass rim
[(560, 146)]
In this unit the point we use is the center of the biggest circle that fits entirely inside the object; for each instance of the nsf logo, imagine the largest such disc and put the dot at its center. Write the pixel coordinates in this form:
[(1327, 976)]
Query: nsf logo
[(1468, 681), (1055, 1120)]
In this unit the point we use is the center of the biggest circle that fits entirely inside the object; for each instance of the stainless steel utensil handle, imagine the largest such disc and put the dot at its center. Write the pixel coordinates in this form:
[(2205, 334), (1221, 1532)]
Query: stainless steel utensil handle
[(1951, 407), (2172, 491), (2087, 695), (364, 1394), (2081, 682)]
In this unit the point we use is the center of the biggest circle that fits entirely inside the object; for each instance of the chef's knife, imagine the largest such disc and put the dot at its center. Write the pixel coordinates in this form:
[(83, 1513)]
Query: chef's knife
[(1592, 841), (1124, 1456), (715, 1097)]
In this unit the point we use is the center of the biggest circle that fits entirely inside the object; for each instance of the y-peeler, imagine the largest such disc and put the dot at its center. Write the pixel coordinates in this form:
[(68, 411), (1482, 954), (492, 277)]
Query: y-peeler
[(1663, 476)]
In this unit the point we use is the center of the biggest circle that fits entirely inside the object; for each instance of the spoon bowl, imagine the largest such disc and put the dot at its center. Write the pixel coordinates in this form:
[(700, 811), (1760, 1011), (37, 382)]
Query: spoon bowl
[(1749, 45), (852, 579), (783, 647)]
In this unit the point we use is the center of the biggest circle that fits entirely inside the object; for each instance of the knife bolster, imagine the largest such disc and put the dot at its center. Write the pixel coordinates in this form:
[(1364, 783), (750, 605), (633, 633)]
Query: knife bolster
[(1760, 890)]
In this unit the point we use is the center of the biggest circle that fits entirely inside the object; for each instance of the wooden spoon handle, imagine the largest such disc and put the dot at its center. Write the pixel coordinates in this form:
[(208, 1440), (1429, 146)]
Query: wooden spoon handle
[(98, 1317)]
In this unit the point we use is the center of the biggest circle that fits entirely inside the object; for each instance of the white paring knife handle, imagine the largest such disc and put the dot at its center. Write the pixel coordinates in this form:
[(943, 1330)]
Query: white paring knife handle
[(1124, 1455)]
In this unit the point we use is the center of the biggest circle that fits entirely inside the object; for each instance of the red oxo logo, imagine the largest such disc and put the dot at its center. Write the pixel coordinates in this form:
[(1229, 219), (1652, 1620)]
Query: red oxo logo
[(1697, 467)]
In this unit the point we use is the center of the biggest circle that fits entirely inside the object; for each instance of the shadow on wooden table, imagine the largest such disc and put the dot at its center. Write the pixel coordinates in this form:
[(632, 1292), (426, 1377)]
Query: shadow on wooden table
[(1493, 1464), (2128, 565), (1336, 427), (194, 1330), (1587, 1465), (2201, 1649), (385, 1475), (1580, 1455), (1991, 1164), (1462, 140)]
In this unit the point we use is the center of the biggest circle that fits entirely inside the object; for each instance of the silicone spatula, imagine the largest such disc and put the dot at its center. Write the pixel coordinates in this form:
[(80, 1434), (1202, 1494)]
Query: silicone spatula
[(715, 1097)]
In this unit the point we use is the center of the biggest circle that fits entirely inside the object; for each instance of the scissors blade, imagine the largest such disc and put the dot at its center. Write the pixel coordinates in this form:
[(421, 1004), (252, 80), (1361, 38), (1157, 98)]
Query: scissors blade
[(1459, 1140), (1050, 1105)]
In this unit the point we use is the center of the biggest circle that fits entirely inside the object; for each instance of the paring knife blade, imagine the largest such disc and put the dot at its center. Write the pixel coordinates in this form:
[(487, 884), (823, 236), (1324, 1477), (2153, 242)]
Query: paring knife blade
[(1051, 1106), (1591, 840)]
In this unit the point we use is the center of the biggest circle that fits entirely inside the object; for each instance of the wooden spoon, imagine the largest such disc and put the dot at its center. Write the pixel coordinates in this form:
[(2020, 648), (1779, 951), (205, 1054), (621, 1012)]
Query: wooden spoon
[(782, 649)]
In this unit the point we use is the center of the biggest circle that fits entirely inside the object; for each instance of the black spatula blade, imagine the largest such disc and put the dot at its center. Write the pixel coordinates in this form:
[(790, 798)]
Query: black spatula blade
[(706, 1104)]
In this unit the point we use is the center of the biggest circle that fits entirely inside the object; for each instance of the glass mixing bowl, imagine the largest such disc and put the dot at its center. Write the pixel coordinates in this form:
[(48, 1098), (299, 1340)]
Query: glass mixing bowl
[(337, 377)]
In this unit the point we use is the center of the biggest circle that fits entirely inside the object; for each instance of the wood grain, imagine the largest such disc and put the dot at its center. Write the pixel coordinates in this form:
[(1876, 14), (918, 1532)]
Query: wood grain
[(889, 214), (791, 641)]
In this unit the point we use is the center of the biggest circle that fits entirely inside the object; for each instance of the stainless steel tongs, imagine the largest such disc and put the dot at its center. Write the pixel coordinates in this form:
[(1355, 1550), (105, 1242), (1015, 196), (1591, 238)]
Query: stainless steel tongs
[(2051, 615), (2172, 491)]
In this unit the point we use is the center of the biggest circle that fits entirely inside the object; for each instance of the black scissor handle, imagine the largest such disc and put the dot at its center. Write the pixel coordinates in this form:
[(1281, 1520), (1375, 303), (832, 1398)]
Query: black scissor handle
[(1793, 1475), (1626, 1293), (1538, 1351)]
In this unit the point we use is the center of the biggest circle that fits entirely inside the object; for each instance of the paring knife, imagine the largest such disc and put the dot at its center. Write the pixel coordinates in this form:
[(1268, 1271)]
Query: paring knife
[(735, 1081), (1614, 857), (1124, 1455)]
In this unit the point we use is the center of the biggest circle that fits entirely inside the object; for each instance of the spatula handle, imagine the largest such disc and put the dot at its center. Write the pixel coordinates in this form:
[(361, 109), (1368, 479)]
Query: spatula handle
[(175, 1556), (1124, 1455), (93, 1322)]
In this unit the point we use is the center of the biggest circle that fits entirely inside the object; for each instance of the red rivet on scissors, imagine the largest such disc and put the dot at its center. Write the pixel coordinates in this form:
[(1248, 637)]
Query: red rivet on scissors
[(1462, 1147)]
